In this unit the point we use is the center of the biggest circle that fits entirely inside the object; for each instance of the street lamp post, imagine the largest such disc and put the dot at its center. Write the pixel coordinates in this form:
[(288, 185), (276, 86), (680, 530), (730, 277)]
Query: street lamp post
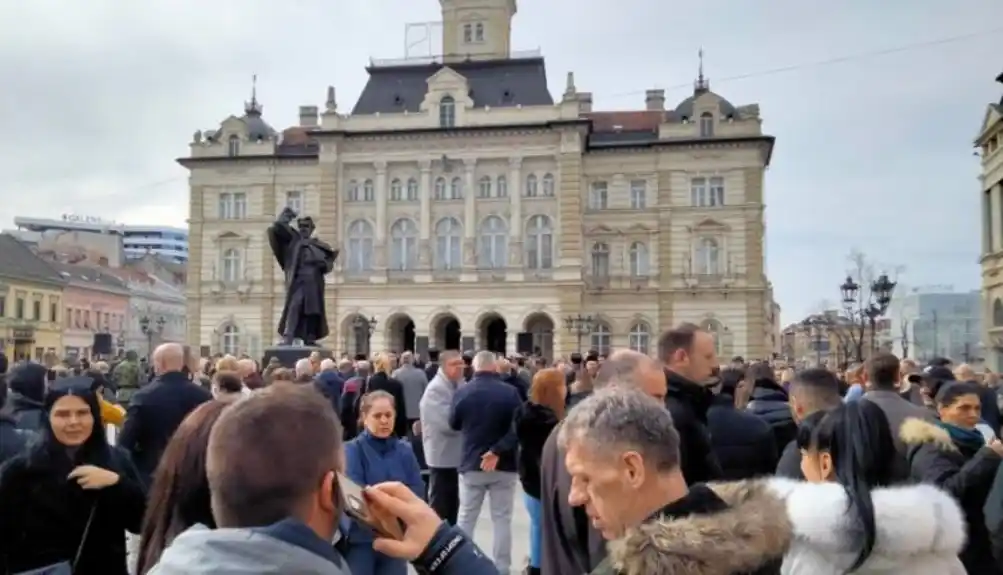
[(579, 325), (366, 327), (150, 328), (865, 310), (815, 328), (120, 344)]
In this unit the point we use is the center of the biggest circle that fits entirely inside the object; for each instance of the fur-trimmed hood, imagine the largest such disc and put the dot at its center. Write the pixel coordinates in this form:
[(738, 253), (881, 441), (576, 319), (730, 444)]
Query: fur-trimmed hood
[(916, 431), (920, 528), (750, 532)]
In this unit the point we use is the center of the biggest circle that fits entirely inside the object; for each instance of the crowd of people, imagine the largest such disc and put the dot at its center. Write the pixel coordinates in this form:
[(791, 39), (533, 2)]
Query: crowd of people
[(626, 464)]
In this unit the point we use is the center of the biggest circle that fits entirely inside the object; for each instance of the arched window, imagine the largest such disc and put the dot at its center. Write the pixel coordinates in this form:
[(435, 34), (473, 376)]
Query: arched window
[(493, 252), (714, 327), (531, 186), (479, 32), (468, 33), (708, 260), (440, 188), (540, 243), (448, 244), (639, 337), (997, 313), (353, 191), (404, 245), (601, 338), (368, 191), (396, 190), (233, 146), (638, 259), (600, 259), (456, 189), (484, 187), (447, 112), (230, 340), (412, 190), (501, 187), (232, 265), (706, 125), (360, 246), (548, 185)]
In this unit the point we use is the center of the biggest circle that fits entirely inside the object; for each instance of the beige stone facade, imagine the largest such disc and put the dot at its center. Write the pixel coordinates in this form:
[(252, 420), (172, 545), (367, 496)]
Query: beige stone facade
[(990, 145), (461, 219)]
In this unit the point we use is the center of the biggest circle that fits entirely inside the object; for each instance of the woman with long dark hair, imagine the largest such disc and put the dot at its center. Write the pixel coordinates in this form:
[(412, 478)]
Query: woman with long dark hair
[(179, 496), (66, 502), (849, 519)]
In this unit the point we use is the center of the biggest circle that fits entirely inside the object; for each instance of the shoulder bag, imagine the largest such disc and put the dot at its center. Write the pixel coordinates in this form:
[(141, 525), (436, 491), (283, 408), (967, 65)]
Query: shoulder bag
[(65, 567)]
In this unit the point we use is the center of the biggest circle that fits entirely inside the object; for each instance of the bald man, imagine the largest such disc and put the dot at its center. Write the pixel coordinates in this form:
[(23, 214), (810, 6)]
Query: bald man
[(157, 409)]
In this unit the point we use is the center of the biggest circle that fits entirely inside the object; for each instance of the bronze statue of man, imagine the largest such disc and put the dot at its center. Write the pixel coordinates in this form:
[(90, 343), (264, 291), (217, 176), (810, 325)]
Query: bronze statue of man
[(305, 261)]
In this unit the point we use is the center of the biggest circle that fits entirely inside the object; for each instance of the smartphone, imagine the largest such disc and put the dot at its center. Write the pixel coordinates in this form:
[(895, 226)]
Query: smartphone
[(356, 506)]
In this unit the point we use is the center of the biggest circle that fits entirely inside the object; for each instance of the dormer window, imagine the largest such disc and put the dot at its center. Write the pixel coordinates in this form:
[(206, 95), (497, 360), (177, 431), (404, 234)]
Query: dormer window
[(706, 125), (447, 112), (233, 146), (468, 33), (479, 32)]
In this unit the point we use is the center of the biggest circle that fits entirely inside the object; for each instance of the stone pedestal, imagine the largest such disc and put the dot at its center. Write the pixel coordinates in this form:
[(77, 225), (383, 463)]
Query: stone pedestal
[(288, 355)]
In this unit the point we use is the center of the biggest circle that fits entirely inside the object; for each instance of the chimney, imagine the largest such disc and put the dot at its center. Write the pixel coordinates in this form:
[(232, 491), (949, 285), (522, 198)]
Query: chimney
[(655, 100), (308, 116), (585, 102)]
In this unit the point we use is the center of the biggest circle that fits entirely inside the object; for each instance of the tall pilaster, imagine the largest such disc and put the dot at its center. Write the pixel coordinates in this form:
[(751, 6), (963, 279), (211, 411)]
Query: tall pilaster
[(425, 207), (469, 199), (381, 201), (515, 196)]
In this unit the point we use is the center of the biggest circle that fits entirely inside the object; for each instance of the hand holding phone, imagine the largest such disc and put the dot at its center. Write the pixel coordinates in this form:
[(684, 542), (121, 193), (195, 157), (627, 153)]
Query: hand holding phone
[(357, 506), (420, 521)]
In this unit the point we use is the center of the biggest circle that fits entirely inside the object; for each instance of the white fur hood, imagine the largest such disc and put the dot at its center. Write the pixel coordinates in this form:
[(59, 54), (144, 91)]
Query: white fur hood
[(920, 529)]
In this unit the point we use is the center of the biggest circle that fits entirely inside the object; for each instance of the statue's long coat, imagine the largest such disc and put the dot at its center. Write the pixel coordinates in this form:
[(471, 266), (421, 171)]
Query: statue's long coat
[(287, 247)]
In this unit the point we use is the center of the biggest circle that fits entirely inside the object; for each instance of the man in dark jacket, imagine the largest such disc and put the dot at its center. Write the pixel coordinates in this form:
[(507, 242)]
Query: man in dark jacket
[(25, 406), (690, 359), (12, 439), (157, 409), (812, 390), (483, 410), (771, 402), (569, 543), (432, 367), (743, 442)]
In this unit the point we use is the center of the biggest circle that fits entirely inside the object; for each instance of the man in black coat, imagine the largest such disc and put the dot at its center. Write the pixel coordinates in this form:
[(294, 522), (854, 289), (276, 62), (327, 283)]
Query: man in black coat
[(811, 391), (156, 410), (743, 443), (689, 355)]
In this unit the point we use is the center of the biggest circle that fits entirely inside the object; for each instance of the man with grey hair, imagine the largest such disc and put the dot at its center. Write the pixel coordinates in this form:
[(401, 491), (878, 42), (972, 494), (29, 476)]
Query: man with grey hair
[(304, 369), (414, 382), (623, 453), (442, 445), (569, 543), (483, 411)]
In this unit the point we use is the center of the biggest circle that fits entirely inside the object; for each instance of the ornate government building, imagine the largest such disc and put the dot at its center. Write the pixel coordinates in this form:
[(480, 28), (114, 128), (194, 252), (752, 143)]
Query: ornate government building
[(989, 145), (473, 209)]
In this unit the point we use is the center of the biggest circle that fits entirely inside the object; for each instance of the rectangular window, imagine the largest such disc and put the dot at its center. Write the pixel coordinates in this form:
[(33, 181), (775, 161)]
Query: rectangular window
[(294, 201), (54, 312), (232, 206), (19, 308), (698, 192), (36, 310), (716, 192), (638, 194), (987, 221), (3, 306), (598, 196)]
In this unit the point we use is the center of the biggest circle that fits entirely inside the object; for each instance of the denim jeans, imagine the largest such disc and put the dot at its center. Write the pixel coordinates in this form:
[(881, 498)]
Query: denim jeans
[(499, 487), (535, 509)]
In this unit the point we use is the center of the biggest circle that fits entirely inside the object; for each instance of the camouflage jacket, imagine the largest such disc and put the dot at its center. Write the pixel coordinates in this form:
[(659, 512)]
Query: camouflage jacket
[(128, 378)]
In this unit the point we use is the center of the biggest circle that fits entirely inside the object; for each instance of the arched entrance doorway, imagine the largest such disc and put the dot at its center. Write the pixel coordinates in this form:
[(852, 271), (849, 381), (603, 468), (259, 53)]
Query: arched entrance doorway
[(493, 333), (357, 336), (400, 334), (446, 332), (541, 327)]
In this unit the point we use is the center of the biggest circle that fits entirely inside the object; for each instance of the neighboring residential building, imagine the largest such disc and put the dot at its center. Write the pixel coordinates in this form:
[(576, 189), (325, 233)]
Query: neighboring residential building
[(990, 146), (94, 302), (138, 241), (31, 303), (157, 304), (471, 208), (936, 321)]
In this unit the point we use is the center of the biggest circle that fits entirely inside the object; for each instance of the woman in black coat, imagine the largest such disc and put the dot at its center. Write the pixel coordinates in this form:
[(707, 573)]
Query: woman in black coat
[(953, 455), (70, 497)]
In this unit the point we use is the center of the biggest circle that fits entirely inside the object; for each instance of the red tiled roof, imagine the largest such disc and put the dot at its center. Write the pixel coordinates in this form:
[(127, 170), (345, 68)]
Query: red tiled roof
[(630, 121)]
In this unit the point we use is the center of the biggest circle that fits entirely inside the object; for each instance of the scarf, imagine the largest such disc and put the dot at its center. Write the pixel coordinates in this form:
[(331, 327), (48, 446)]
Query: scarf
[(969, 439)]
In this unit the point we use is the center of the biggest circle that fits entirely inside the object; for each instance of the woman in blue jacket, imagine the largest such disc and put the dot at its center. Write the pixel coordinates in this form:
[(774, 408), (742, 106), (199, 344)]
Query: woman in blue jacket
[(375, 456)]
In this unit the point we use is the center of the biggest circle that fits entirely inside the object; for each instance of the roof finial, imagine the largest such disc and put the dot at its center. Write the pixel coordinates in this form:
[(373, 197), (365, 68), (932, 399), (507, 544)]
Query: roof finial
[(332, 103), (570, 89), (701, 85), (253, 107)]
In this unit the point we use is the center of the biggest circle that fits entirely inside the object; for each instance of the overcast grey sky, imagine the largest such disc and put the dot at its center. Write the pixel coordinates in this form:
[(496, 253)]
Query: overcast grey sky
[(874, 153)]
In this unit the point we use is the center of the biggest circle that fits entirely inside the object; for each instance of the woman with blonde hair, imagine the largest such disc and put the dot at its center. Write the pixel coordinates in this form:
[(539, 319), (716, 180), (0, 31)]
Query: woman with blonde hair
[(382, 381), (533, 423), (227, 363)]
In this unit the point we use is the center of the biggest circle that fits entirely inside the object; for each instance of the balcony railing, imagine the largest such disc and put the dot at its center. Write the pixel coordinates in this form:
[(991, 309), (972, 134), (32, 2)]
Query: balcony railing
[(442, 58)]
